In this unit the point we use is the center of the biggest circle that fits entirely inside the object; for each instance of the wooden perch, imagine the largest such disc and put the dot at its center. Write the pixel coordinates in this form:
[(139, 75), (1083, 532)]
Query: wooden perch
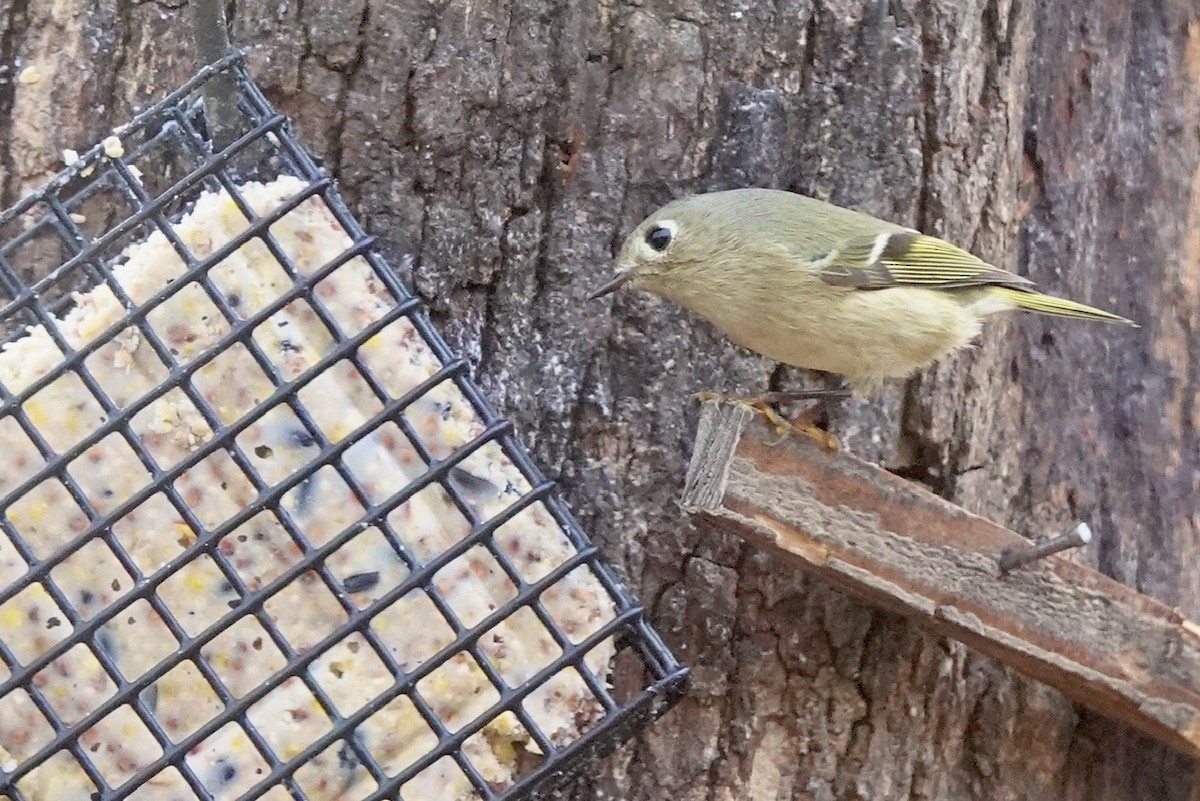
[(1108, 647)]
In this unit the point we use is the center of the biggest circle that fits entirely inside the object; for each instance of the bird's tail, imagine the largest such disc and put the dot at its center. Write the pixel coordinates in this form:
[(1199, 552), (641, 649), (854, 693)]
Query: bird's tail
[(1048, 304)]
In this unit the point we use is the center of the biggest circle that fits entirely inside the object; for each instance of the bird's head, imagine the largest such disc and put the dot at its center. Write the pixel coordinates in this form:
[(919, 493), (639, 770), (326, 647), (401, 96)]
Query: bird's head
[(669, 252)]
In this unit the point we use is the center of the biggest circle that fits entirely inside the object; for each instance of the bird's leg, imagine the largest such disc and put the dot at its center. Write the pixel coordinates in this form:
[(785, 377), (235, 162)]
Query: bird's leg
[(768, 398), (792, 396)]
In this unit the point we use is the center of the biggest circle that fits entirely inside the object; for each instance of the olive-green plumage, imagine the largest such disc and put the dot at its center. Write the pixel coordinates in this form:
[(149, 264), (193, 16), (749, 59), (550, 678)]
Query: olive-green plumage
[(821, 287)]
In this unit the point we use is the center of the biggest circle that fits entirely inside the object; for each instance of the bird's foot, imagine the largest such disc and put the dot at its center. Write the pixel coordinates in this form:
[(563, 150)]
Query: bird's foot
[(804, 425), (793, 396)]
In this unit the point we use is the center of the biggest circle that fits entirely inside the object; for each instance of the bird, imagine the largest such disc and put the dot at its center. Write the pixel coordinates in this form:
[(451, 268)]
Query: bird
[(821, 287)]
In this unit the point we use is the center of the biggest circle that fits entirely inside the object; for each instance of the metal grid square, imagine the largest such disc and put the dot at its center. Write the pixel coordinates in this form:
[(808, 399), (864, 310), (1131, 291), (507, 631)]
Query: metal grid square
[(299, 602)]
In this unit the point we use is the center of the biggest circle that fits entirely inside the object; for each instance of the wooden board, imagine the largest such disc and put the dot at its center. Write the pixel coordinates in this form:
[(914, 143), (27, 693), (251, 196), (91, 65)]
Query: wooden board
[(900, 546)]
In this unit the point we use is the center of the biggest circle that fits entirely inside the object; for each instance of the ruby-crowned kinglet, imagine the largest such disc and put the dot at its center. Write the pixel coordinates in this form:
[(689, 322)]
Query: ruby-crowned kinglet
[(821, 287)]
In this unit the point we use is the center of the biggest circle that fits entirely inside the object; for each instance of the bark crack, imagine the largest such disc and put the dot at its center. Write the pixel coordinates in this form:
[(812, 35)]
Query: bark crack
[(349, 80)]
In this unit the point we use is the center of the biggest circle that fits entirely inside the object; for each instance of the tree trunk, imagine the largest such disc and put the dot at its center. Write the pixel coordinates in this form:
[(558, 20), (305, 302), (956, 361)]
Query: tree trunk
[(515, 142)]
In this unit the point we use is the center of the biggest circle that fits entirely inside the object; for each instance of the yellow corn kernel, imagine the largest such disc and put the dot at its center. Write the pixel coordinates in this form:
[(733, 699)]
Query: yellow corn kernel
[(11, 617), (196, 582)]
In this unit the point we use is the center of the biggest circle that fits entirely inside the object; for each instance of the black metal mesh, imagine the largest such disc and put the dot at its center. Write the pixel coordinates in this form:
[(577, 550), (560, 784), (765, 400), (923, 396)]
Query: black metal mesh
[(65, 239)]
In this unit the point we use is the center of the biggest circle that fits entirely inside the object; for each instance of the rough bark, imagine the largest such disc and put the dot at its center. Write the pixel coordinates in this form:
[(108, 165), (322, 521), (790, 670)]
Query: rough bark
[(514, 142)]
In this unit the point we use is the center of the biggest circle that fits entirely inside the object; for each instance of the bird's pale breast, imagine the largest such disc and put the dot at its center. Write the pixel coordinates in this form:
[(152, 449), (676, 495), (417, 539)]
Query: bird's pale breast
[(865, 336)]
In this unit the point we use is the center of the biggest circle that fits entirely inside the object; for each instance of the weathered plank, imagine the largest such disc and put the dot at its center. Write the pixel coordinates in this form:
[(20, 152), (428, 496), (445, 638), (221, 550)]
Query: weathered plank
[(900, 546)]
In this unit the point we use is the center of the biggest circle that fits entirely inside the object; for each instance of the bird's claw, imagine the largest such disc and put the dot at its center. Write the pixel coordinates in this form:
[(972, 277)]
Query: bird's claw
[(826, 440), (802, 425)]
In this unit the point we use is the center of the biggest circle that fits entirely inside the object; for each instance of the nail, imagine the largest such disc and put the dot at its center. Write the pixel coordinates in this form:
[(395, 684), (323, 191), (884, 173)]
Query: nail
[(1077, 537)]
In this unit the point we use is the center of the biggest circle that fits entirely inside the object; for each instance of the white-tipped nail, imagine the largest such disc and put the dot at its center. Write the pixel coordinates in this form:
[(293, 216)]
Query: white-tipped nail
[(1078, 536)]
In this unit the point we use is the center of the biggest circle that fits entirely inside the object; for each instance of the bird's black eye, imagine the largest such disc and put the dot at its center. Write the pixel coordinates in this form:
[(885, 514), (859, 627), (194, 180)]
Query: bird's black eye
[(658, 238)]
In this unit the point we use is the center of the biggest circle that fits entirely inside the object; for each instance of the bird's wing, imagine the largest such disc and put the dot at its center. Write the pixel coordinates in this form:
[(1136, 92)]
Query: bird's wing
[(909, 258)]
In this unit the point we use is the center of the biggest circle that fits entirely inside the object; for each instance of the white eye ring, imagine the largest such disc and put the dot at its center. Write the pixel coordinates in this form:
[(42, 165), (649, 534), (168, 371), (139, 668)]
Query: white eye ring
[(659, 237)]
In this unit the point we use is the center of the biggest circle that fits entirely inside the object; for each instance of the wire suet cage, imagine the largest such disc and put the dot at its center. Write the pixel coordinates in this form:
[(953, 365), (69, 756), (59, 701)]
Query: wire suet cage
[(260, 534)]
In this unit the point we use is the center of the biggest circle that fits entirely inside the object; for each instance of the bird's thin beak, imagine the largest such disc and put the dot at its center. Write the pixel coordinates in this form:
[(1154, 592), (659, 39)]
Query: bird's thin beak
[(612, 286)]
